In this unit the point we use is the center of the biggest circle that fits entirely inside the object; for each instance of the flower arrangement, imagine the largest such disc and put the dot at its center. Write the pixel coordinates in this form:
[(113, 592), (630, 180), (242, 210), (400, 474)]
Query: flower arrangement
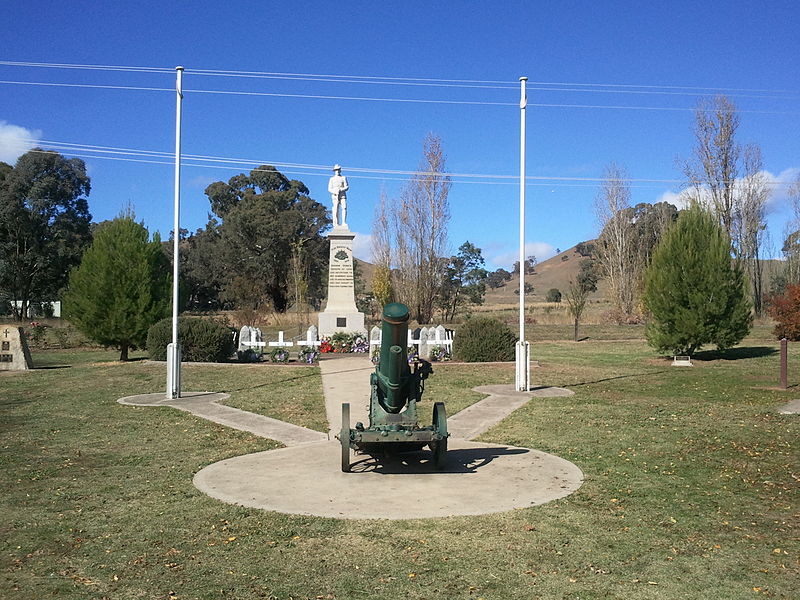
[(375, 355), (325, 345), (440, 353), (342, 342), (308, 355), (413, 354), (280, 355), (360, 344)]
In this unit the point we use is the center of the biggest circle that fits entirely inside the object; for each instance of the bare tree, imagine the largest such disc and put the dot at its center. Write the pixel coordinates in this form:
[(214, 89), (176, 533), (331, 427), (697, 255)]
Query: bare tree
[(729, 180), (420, 221), (713, 170), (382, 252), (749, 226), (791, 244), (616, 251)]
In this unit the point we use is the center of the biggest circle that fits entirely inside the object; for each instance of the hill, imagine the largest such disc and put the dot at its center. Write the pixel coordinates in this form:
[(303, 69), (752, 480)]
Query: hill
[(555, 272)]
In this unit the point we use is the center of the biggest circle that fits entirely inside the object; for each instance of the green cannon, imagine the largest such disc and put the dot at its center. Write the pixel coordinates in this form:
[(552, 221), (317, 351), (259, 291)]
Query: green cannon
[(396, 389)]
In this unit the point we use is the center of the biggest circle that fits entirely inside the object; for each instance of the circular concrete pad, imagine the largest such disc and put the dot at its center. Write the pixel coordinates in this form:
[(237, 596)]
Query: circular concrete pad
[(478, 479)]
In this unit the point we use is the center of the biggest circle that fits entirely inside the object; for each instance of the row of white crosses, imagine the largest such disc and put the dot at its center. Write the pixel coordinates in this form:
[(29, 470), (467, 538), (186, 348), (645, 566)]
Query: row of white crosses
[(283, 343), (442, 337)]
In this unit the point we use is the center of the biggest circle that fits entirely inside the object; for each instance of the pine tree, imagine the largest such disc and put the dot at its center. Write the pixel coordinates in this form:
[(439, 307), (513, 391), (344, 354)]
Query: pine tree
[(121, 287), (695, 292)]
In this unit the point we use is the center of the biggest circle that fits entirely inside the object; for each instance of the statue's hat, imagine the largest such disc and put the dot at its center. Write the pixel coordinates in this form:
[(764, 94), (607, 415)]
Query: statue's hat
[(337, 167)]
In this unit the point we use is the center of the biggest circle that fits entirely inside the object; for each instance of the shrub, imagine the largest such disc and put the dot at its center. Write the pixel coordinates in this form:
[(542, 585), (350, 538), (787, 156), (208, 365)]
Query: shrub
[(785, 309), (482, 339), (553, 295), (201, 340)]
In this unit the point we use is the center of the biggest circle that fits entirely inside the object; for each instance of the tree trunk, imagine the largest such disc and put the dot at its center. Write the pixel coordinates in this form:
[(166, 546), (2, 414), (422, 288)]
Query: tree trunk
[(123, 352), (576, 330)]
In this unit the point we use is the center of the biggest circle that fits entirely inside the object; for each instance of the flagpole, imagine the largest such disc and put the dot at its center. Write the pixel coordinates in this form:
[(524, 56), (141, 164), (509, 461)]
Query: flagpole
[(174, 350), (523, 348)]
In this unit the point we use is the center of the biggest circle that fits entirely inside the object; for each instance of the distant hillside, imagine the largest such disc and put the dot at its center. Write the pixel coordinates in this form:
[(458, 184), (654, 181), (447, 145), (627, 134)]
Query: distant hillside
[(555, 272)]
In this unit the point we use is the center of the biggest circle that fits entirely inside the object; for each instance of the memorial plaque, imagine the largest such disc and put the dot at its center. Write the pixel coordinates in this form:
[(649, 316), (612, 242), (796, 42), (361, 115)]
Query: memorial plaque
[(15, 355)]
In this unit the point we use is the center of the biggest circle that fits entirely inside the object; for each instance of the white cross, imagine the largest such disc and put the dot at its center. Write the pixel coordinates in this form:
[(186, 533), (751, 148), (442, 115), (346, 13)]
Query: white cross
[(6, 332), (280, 341), (438, 340), (308, 341)]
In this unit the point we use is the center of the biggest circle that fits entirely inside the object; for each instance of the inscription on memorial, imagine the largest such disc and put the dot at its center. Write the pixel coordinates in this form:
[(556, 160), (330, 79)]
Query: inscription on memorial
[(6, 346), (6, 358), (341, 270)]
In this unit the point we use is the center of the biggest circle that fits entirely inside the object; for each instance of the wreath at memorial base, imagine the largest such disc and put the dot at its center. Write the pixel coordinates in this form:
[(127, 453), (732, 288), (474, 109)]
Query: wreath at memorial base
[(279, 355), (440, 353), (308, 355)]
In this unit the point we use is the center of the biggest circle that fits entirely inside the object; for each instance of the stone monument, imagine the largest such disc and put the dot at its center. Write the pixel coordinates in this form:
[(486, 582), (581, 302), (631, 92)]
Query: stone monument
[(340, 312), (14, 352)]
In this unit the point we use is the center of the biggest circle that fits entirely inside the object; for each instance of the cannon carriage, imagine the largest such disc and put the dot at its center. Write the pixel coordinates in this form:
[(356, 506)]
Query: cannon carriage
[(396, 388)]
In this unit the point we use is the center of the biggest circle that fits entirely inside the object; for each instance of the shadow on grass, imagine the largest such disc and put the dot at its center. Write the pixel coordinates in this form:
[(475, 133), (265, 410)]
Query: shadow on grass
[(462, 460), (736, 353), (273, 383), (571, 385)]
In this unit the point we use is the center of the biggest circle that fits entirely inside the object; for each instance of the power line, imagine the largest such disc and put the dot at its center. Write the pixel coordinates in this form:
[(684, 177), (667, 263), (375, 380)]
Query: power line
[(395, 100), (387, 79), (75, 149)]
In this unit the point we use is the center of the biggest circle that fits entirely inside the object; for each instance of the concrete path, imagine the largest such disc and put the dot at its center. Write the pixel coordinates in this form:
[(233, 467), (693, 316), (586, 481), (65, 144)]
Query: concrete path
[(346, 379), (791, 408), (477, 479), (205, 405), (306, 478), (502, 400)]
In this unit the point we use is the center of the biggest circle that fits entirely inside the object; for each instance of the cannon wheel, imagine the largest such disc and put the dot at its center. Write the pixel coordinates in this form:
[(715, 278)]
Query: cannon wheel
[(440, 426), (344, 437)]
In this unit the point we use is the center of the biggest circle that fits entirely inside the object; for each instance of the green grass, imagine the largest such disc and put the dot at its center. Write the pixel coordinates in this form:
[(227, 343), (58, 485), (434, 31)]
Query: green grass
[(691, 488)]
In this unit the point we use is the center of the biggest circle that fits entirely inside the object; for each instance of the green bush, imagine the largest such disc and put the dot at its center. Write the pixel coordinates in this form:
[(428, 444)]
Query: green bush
[(553, 295), (201, 340), (482, 339)]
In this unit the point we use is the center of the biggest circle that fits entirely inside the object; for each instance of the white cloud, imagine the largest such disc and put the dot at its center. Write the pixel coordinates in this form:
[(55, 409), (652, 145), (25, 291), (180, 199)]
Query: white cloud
[(16, 141), (778, 184), (541, 250), (679, 200), (362, 246)]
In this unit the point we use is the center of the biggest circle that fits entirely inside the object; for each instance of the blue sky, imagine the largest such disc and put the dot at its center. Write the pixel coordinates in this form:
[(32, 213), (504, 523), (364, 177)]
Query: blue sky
[(676, 51)]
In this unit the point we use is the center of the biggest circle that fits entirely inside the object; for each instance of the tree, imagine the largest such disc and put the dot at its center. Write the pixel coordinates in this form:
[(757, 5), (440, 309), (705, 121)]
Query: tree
[(497, 279), (121, 287), (464, 282), (791, 244), (714, 181), (694, 291), (382, 285), (615, 248), (419, 222), (44, 226), (553, 295), (785, 309), (269, 229), (578, 292), (749, 222), (381, 253)]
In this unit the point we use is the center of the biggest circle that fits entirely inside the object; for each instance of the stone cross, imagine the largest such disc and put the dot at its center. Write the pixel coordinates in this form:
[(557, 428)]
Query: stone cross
[(280, 342), (375, 336)]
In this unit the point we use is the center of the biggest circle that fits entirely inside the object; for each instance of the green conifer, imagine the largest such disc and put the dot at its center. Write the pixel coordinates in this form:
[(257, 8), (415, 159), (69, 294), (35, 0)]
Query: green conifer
[(121, 287), (695, 293)]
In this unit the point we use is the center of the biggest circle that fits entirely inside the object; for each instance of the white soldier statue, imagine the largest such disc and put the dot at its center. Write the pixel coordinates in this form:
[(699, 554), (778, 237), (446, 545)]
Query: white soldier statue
[(337, 186)]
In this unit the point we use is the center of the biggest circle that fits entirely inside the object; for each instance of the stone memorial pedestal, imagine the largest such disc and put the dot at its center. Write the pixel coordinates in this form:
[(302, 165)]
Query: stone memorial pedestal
[(14, 352), (340, 312)]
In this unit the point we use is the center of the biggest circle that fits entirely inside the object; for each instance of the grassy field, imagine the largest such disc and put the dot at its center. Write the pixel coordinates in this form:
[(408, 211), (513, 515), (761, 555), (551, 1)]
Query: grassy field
[(691, 487)]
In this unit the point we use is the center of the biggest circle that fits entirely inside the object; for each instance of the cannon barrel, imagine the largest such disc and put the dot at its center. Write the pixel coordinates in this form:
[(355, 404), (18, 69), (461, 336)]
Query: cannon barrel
[(393, 373)]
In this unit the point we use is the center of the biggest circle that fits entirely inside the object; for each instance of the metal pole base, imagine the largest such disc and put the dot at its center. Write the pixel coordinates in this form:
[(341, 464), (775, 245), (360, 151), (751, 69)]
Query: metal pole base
[(523, 373), (173, 371)]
